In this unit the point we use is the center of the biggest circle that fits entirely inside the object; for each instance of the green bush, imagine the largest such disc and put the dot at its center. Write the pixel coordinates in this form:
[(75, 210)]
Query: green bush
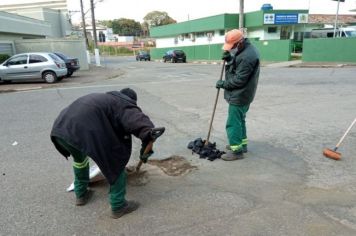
[(114, 51), (4, 57)]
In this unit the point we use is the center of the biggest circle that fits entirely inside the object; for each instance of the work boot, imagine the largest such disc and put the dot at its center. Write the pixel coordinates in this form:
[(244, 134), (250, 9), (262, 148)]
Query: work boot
[(232, 156), (81, 201), (129, 207), (244, 148)]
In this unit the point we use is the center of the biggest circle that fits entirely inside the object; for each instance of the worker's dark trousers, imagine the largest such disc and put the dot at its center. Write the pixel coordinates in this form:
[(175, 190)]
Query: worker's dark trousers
[(81, 181), (236, 126)]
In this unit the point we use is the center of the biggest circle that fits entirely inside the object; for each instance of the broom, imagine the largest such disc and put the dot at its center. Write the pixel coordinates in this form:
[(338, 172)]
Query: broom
[(332, 153)]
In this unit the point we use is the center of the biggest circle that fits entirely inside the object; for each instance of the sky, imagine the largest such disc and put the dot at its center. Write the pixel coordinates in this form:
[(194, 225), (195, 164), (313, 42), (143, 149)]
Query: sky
[(183, 10)]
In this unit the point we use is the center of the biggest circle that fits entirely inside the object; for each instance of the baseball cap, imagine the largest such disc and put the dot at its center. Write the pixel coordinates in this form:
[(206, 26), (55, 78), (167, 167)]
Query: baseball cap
[(232, 37)]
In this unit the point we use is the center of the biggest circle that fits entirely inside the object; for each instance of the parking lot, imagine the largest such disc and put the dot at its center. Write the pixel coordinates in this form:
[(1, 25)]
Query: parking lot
[(284, 186)]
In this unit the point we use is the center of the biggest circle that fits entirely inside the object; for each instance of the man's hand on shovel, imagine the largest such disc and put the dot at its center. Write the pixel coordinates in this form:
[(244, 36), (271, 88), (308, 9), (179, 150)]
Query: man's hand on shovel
[(146, 149)]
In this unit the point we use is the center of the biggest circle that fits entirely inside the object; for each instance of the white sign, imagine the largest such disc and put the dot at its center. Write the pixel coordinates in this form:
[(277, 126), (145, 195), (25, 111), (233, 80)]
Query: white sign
[(268, 19), (302, 18)]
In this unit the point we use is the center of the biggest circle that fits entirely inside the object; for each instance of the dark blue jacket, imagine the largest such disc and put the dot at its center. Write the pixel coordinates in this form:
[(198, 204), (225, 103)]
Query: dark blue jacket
[(100, 125)]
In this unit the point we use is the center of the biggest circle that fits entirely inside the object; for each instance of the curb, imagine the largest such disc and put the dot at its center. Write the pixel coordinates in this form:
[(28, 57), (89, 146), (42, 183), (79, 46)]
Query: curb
[(323, 66), (19, 89)]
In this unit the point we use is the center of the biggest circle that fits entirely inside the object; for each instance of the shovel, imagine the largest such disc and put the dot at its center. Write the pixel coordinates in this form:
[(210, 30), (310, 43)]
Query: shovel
[(155, 133)]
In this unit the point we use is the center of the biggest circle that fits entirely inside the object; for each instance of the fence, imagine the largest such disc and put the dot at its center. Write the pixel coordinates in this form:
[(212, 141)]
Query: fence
[(270, 50), (329, 50)]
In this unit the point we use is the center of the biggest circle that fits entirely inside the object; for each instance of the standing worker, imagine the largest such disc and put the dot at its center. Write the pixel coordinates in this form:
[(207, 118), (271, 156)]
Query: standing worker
[(99, 126), (241, 78)]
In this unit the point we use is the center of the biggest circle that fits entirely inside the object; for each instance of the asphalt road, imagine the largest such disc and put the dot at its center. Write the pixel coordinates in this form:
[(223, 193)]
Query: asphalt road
[(284, 186)]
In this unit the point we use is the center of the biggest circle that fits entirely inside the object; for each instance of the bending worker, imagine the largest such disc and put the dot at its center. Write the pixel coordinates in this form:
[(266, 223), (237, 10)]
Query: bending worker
[(241, 78), (99, 126)]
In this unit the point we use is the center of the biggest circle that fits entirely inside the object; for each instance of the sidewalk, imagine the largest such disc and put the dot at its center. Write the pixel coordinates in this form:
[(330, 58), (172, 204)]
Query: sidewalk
[(80, 77), (293, 63)]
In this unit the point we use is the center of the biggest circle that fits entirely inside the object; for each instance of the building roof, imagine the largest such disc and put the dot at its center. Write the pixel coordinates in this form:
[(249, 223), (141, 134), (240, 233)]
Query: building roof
[(217, 22), (23, 25), (330, 19), (20, 5)]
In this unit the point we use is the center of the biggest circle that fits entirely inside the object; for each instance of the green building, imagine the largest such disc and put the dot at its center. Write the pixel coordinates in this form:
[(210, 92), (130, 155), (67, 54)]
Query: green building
[(272, 31)]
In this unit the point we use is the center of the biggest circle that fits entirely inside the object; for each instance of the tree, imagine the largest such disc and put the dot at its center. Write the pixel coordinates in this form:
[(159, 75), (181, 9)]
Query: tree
[(123, 26), (157, 18), (107, 23), (145, 29)]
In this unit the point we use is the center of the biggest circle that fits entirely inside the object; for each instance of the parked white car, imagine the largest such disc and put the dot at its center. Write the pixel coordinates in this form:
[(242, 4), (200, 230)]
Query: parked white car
[(329, 32), (31, 66)]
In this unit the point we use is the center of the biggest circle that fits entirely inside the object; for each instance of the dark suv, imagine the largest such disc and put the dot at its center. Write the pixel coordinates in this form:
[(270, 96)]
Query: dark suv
[(175, 56), (142, 55)]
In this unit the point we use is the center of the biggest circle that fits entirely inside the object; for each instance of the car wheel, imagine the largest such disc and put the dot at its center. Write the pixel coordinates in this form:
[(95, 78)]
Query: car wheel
[(136, 59), (184, 60), (69, 74), (164, 60), (49, 76)]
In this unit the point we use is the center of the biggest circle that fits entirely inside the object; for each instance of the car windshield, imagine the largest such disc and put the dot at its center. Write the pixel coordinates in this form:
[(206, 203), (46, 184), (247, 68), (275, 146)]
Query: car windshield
[(350, 33), (60, 55), (178, 51), (54, 57)]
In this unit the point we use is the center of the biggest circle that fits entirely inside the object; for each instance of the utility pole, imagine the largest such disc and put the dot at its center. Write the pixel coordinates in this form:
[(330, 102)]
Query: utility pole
[(83, 24), (337, 14), (96, 50), (93, 23), (241, 15)]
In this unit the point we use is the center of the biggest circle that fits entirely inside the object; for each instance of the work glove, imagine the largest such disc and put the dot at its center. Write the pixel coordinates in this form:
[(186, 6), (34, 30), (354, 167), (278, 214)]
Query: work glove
[(226, 56), (220, 84), (144, 156)]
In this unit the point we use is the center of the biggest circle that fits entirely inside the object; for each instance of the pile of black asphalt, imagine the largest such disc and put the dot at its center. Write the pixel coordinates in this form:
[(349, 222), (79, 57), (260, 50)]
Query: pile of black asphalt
[(209, 151)]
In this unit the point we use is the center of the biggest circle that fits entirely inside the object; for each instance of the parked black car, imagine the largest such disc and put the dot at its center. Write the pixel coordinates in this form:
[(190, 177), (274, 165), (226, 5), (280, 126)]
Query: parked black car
[(72, 64), (142, 55), (175, 56)]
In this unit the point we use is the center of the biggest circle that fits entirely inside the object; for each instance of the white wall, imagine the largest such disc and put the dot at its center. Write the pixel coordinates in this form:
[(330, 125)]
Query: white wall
[(170, 42), (255, 33), (72, 48)]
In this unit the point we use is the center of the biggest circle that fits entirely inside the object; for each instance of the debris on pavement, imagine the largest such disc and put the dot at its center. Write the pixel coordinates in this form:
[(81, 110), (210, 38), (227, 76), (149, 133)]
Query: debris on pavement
[(208, 151)]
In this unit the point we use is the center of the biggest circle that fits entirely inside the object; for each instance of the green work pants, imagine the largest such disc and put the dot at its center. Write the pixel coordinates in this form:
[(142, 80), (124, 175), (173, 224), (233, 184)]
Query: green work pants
[(80, 167), (81, 174), (236, 126), (118, 191)]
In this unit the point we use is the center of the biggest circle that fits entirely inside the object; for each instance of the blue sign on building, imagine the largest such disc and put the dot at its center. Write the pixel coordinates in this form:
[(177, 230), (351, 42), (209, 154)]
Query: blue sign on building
[(284, 19)]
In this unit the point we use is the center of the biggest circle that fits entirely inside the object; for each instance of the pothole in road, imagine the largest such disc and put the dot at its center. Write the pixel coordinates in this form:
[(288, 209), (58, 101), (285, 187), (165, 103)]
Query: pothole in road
[(171, 166)]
